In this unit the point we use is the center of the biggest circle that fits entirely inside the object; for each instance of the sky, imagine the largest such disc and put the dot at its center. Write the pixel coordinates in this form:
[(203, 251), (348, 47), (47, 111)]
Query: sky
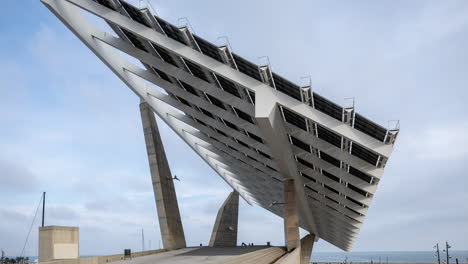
[(69, 127)]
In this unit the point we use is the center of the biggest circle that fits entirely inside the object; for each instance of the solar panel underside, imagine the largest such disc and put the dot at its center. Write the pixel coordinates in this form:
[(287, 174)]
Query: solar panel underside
[(287, 87), (247, 67), (335, 188), (328, 107), (135, 13), (370, 128), (208, 49), (171, 31)]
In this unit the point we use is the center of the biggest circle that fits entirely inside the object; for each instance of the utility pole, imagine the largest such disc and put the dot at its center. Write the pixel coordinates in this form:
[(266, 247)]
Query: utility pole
[(149, 248), (447, 246), (43, 208), (437, 253)]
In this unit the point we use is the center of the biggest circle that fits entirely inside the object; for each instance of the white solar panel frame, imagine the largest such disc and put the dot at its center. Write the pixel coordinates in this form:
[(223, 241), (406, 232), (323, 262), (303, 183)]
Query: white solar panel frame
[(252, 179)]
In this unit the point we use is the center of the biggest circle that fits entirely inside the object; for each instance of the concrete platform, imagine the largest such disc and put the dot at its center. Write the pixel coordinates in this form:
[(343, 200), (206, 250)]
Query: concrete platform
[(203, 255)]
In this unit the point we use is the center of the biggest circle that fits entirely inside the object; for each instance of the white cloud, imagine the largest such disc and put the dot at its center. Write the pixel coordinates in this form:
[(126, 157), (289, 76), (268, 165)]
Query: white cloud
[(16, 177), (442, 141), (433, 23)]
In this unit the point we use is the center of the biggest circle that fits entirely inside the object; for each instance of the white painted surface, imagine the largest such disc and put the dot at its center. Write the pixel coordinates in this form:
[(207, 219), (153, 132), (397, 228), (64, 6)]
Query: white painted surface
[(66, 251)]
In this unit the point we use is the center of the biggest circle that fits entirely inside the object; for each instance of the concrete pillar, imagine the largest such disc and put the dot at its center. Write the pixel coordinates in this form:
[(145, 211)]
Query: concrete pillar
[(170, 224), (291, 217), (58, 242), (225, 228), (307, 243)]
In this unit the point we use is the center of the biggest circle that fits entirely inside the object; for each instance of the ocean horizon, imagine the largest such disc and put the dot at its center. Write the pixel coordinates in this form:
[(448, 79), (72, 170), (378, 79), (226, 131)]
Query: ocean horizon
[(391, 256), (377, 257)]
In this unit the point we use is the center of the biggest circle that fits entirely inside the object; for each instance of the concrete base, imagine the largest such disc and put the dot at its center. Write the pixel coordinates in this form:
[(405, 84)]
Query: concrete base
[(307, 244), (225, 228), (58, 242), (291, 217), (301, 254)]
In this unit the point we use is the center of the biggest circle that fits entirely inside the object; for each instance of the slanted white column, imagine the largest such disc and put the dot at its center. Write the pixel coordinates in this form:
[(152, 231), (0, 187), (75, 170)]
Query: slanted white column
[(291, 216), (271, 124), (225, 228), (307, 244), (170, 223)]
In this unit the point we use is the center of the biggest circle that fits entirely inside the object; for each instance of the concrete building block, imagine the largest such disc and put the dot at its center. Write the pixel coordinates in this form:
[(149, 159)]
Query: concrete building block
[(58, 242), (225, 228)]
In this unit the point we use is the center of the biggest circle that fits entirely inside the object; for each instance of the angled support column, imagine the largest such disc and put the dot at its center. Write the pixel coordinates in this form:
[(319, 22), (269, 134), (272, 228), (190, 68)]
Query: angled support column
[(296, 206), (225, 228), (307, 243), (291, 217), (172, 232)]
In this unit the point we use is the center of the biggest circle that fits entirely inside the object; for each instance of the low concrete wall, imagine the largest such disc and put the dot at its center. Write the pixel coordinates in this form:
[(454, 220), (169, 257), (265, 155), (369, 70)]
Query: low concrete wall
[(103, 259)]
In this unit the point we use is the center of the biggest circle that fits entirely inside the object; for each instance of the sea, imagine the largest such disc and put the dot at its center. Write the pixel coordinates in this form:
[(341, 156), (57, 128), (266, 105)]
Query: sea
[(382, 257)]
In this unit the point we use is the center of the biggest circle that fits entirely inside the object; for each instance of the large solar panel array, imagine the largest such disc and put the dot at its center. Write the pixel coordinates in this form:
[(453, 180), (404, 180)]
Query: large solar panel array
[(339, 174)]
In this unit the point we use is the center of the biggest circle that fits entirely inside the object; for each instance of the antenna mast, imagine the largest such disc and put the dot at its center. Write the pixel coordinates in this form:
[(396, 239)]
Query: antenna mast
[(43, 208), (142, 240)]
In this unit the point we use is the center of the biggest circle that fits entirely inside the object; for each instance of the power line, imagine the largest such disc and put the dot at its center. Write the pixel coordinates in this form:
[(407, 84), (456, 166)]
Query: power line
[(30, 228)]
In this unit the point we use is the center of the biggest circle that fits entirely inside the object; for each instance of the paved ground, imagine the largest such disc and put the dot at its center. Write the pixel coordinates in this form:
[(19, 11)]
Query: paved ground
[(197, 255)]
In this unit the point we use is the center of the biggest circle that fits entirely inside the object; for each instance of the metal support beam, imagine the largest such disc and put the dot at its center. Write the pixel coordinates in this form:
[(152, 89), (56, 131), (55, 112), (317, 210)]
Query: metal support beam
[(225, 228), (170, 224), (271, 125)]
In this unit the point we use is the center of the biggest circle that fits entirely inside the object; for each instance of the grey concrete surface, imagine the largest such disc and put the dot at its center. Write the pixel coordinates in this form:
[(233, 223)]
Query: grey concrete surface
[(291, 217), (307, 243), (192, 255), (225, 228), (172, 231)]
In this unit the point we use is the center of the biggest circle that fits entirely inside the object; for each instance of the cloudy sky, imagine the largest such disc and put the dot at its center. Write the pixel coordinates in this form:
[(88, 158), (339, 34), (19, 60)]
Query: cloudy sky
[(68, 126)]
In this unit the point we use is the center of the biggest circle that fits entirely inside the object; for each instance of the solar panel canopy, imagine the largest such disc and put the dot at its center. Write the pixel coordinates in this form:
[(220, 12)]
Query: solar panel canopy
[(252, 126)]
